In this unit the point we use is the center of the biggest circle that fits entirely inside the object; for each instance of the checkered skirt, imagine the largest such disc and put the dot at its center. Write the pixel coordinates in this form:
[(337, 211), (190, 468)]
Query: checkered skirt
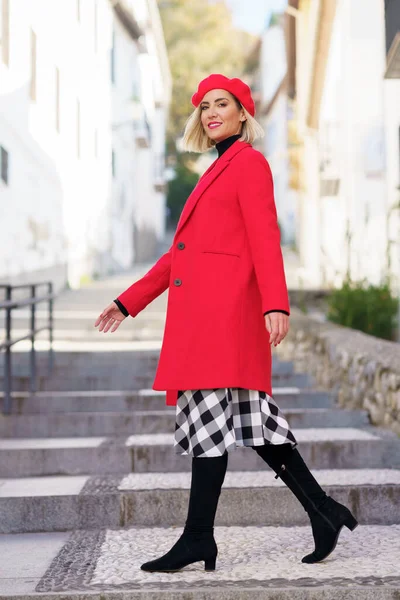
[(215, 421)]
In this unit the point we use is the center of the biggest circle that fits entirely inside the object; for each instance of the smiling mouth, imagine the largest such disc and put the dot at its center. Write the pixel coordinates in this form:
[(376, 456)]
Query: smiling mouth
[(214, 125)]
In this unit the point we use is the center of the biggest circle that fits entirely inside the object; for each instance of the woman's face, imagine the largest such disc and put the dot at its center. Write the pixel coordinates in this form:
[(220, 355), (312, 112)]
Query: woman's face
[(220, 115)]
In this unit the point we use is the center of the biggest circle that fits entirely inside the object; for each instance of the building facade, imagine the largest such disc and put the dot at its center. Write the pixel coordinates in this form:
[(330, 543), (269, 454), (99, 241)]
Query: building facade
[(342, 125), (71, 186)]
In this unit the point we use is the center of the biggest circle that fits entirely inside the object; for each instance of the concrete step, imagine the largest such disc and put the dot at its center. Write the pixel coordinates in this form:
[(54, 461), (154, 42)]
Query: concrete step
[(82, 356), (77, 424), (321, 448), (264, 565), (123, 378), (161, 499), (144, 399), (84, 359), (80, 313), (74, 332)]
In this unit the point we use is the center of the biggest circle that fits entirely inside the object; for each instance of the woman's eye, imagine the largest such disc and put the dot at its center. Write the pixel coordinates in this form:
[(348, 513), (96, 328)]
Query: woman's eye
[(220, 104)]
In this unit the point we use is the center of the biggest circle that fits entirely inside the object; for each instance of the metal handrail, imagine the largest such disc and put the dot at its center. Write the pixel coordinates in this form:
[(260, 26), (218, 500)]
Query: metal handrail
[(9, 305)]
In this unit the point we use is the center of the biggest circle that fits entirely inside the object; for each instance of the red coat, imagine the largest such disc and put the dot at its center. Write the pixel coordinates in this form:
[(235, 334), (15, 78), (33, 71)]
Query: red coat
[(224, 270)]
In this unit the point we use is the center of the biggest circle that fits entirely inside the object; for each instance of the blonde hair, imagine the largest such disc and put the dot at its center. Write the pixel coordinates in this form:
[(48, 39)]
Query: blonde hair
[(195, 139)]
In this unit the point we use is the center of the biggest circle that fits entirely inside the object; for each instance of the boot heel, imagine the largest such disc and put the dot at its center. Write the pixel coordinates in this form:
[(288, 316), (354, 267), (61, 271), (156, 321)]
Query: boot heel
[(351, 523), (209, 564)]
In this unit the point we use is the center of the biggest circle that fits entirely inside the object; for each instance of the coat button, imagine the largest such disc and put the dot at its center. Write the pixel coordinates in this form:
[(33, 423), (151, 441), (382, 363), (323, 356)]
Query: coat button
[(177, 282), (181, 245)]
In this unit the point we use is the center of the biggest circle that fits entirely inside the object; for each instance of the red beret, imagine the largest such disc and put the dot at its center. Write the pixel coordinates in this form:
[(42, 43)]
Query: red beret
[(235, 86)]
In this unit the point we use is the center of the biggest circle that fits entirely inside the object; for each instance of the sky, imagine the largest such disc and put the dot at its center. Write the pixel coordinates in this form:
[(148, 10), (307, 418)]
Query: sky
[(251, 15)]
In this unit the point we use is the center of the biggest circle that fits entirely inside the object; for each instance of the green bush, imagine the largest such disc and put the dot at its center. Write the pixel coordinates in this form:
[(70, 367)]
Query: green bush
[(180, 188), (368, 308)]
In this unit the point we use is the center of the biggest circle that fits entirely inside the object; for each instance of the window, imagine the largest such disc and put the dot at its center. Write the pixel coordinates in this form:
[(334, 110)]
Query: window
[(113, 165), (78, 129), (57, 98), (33, 66), (4, 164), (112, 58), (5, 31)]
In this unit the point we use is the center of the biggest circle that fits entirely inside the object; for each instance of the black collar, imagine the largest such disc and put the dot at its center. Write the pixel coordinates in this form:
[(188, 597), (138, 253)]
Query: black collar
[(223, 145)]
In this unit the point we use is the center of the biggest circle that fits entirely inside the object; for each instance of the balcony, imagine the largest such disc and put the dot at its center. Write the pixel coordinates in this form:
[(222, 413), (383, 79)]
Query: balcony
[(160, 184)]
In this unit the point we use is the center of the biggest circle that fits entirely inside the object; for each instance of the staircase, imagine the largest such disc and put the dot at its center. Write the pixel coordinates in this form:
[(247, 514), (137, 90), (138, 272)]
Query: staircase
[(90, 486)]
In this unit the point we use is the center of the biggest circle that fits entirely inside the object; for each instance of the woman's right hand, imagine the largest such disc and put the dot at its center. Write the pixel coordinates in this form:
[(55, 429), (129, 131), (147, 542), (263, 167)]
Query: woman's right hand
[(110, 317)]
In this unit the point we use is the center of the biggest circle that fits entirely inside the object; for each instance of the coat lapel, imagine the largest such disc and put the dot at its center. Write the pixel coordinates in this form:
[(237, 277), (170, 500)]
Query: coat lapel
[(213, 171)]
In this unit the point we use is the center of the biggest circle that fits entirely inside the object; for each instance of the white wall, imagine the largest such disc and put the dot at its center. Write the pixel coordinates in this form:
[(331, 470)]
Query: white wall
[(55, 203), (275, 149), (273, 61), (62, 213), (274, 144), (353, 104), (352, 110), (157, 88), (146, 205), (125, 187)]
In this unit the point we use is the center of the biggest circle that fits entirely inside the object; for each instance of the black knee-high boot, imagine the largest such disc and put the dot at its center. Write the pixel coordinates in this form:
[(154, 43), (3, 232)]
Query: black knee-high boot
[(197, 540), (327, 516)]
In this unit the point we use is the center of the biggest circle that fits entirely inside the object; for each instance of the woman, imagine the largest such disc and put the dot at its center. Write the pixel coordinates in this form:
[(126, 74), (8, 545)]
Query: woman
[(227, 304)]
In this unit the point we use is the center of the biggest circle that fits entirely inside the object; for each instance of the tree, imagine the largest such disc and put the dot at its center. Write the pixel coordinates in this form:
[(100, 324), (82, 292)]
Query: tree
[(200, 40)]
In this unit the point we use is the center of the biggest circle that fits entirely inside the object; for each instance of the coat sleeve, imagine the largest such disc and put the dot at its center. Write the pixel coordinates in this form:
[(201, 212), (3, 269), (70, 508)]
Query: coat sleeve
[(256, 198), (136, 297)]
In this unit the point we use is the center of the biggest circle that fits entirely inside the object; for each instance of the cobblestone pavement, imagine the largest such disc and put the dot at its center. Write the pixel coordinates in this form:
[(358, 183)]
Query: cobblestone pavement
[(268, 555)]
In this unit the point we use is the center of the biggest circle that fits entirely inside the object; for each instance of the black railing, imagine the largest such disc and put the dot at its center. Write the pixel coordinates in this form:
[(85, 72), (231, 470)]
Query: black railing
[(9, 305)]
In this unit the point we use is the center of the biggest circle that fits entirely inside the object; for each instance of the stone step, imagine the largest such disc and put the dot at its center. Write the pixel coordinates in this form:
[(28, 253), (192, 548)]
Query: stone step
[(89, 355), (144, 399), (75, 331), (150, 421), (85, 358), (161, 499), (254, 563), (95, 378), (82, 318), (321, 448), (90, 365)]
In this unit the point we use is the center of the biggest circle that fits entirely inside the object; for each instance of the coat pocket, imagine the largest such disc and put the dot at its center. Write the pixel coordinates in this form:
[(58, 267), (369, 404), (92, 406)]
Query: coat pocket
[(220, 252)]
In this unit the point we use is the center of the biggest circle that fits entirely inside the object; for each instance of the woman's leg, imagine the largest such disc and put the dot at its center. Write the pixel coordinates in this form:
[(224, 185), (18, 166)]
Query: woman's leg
[(197, 540), (208, 475), (326, 515)]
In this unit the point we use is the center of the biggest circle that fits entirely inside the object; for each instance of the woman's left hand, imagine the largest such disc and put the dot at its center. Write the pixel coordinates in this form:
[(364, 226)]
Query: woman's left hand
[(277, 324)]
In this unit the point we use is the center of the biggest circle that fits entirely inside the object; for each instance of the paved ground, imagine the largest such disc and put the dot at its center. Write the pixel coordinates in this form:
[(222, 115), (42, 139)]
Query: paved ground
[(90, 486), (270, 556)]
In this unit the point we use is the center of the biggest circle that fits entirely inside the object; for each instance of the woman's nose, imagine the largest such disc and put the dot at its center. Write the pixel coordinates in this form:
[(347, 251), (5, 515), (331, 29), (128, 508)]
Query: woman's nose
[(211, 113)]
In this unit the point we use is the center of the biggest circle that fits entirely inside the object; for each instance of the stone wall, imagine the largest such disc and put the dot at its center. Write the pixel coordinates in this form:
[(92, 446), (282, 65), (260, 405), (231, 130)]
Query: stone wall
[(362, 369)]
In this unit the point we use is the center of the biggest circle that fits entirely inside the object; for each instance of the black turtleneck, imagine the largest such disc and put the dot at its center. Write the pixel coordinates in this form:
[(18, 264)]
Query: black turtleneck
[(221, 147), (226, 143)]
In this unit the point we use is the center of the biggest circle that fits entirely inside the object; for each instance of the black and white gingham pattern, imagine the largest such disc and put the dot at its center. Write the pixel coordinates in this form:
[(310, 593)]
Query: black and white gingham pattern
[(212, 422)]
